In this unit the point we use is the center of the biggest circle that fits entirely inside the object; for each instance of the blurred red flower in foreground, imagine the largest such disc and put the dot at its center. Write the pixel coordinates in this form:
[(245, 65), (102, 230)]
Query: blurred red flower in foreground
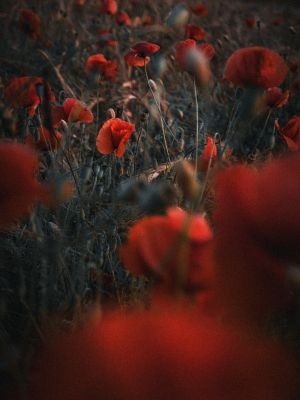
[(200, 10), (30, 23), (113, 136), (124, 19), (19, 188), (72, 110), (168, 247), (139, 55), (108, 7), (46, 140), (195, 32), (256, 67), (290, 132), (97, 63), (28, 92), (160, 354), (257, 222)]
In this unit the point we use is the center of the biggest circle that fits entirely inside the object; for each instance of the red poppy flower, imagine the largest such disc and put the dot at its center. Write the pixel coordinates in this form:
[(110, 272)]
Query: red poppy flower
[(208, 50), (113, 136), (124, 19), (290, 132), (255, 66), (195, 32), (193, 59), (105, 38), (271, 98), (200, 10), (258, 223), (108, 7), (160, 354), (251, 21), (147, 20), (28, 92), (155, 247), (20, 190), (30, 23), (209, 155), (46, 140), (98, 63), (76, 111), (140, 54)]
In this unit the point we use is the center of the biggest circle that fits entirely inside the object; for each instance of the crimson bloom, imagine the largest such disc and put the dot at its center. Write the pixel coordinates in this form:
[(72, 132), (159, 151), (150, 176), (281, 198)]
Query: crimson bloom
[(113, 136), (195, 32), (124, 19), (28, 92), (30, 23), (20, 191), (139, 55), (251, 21), (165, 353), (108, 7), (209, 155), (168, 246), (207, 49), (105, 38), (271, 98), (290, 132), (255, 67), (72, 110), (46, 139), (98, 63), (200, 10)]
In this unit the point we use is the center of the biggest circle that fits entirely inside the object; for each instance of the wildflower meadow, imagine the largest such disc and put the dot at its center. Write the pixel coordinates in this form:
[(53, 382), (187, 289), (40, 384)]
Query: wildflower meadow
[(149, 200)]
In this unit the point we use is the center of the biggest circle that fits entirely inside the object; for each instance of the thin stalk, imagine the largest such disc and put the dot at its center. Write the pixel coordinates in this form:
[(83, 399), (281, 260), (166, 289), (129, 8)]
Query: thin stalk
[(264, 128), (197, 126), (157, 104), (163, 121)]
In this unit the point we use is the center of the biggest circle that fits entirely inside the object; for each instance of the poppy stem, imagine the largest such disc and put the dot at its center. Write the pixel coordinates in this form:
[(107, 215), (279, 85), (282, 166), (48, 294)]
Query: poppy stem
[(196, 206), (163, 121), (197, 126), (263, 129)]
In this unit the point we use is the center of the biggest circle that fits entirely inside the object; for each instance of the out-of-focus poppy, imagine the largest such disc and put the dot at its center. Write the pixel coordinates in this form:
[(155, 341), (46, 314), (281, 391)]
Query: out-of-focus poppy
[(257, 222), (255, 67), (200, 10), (139, 55), (290, 132), (271, 98), (97, 63), (168, 247), (113, 136), (193, 59), (124, 19), (108, 7), (195, 32), (207, 49), (46, 140), (251, 21), (19, 189), (147, 20), (105, 38), (28, 92), (178, 17), (30, 23), (166, 353)]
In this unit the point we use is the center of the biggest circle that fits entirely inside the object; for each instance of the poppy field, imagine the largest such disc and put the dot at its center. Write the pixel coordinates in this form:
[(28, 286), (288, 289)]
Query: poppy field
[(149, 200)]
